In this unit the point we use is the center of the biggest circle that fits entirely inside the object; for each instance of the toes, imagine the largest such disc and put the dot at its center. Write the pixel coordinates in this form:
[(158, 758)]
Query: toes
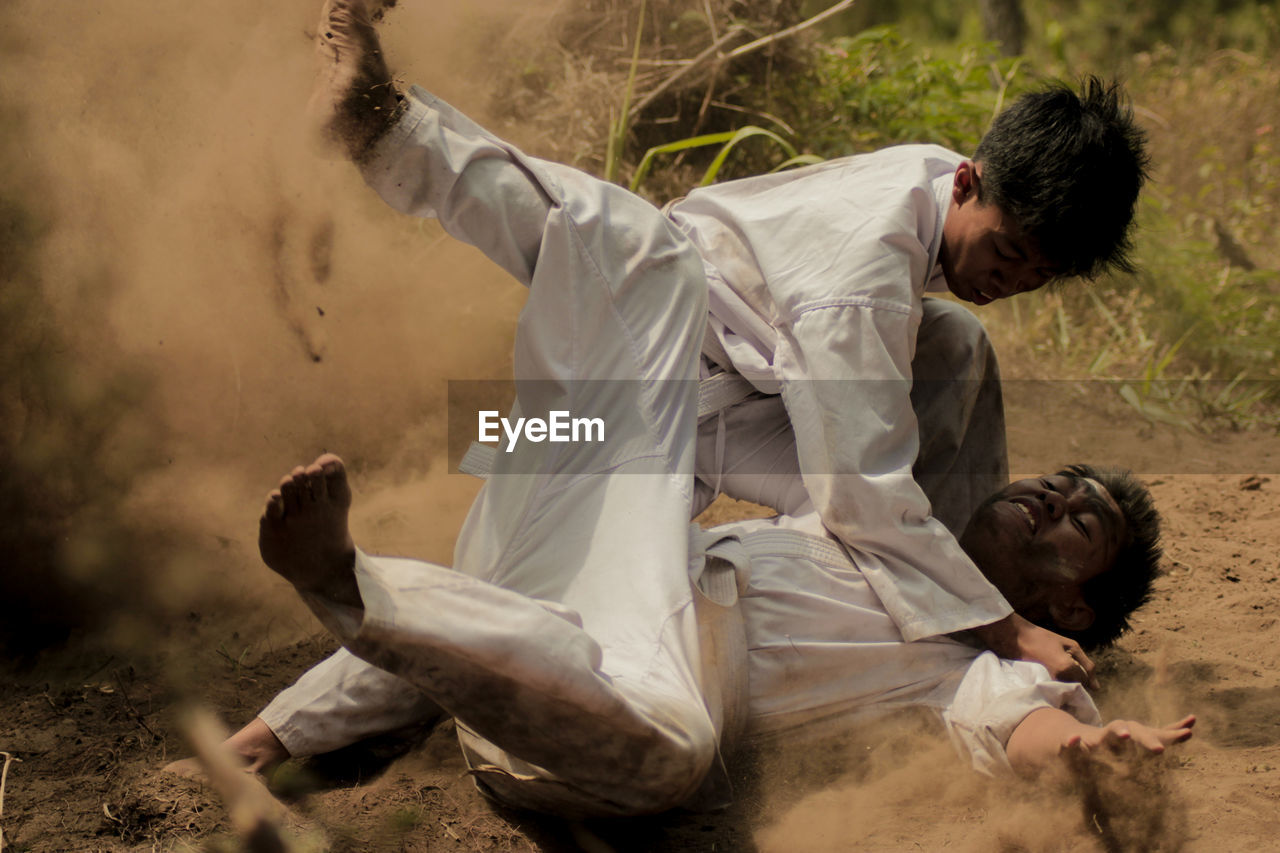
[(291, 490), (337, 488), (275, 507), (313, 483), (323, 481)]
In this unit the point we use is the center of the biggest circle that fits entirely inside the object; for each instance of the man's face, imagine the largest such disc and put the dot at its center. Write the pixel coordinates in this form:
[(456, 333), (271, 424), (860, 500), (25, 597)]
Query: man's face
[(984, 254), (1039, 540)]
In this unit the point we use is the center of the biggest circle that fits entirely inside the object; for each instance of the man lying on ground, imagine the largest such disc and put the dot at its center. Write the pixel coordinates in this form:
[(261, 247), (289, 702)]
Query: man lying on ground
[(550, 720), (815, 281), (596, 653), (592, 649)]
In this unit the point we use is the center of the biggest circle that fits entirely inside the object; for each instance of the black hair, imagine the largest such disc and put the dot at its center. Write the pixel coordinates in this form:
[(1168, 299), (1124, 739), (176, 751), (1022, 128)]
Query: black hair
[(1126, 586), (1068, 167)]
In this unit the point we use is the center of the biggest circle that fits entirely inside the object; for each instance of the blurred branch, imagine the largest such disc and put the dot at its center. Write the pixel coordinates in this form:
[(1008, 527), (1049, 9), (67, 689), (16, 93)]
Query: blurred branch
[(4, 777), (713, 55), (255, 816), (790, 31), (685, 70)]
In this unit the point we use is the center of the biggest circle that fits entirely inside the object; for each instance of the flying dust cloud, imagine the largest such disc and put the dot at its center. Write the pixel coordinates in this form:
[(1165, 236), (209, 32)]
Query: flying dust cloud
[(194, 302)]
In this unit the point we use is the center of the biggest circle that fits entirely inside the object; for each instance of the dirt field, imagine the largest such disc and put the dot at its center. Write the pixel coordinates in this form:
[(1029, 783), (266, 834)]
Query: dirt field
[(92, 728), (264, 308)]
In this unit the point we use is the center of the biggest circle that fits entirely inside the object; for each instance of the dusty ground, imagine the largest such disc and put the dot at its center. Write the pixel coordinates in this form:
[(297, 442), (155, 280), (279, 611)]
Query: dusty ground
[(91, 728), (267, 309)]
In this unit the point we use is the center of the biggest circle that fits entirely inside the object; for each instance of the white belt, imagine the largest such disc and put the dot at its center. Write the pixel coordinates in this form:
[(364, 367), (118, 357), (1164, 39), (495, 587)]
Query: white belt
[(715, 394)]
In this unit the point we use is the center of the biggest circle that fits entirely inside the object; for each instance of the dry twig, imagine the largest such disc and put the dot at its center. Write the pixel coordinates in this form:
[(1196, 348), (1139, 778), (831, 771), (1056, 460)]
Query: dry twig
[(4, 777), (255, 815), (714, 55), (790, 31), (685, 71), (124, 694)]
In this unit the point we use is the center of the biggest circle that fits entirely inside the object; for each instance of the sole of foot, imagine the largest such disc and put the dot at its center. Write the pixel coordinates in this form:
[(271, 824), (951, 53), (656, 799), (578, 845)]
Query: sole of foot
[(303, 534), (354, 99)]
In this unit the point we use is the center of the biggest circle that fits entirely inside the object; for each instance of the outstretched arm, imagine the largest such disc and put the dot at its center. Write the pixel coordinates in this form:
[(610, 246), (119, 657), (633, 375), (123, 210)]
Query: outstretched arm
[(1049, 737)]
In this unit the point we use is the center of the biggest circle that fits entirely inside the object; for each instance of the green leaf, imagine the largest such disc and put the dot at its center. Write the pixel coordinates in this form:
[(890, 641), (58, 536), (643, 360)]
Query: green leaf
[(618, 130), (742, 134), (673, 147)]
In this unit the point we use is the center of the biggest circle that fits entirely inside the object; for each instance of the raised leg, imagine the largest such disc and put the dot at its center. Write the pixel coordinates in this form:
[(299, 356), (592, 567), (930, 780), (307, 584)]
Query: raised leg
[(597, 529), (605, 730), (353, 100)]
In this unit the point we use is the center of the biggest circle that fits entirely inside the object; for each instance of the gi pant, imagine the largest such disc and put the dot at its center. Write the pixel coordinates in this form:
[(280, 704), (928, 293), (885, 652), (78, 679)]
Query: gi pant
[(748, 451), (565, 640)]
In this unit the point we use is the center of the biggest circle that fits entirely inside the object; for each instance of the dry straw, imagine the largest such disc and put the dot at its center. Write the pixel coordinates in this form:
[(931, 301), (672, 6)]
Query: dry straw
[(4, 777)]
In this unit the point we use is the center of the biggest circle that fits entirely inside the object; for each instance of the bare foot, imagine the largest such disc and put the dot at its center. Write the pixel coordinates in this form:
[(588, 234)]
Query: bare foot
[(303, 534), (257, 747), (354, 100), (260, 820)]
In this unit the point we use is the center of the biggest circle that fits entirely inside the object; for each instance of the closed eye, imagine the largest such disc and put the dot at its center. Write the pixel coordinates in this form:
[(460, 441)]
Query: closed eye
[(1075, 518), (1010, 251)]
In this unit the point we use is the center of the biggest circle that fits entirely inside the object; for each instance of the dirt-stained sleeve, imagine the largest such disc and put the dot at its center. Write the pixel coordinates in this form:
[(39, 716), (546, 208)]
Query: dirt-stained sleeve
[(845, 368), (995, 696)]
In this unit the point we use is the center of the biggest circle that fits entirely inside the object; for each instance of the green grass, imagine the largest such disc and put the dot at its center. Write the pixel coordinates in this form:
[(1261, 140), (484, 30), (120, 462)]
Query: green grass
[(1191, 339), (728, 141)]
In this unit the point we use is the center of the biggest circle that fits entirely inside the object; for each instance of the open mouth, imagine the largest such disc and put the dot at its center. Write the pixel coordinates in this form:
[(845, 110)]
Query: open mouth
[(1028, 512), (978, 297)]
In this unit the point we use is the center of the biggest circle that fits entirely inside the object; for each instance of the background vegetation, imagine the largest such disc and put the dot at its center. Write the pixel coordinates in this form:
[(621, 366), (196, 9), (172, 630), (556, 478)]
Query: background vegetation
[(1191, 339), (84, 419)]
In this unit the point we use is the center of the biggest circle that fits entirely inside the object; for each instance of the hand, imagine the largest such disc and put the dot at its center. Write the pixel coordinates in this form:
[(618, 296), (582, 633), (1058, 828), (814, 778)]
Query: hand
[(1050, 738), (1124, 789), (1123, 739), (1063, 657), (1017, 639)]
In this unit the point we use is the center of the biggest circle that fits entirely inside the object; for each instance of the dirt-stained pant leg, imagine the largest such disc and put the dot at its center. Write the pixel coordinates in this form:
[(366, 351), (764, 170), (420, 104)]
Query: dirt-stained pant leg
[(749, 452), (959, 405), (565, 642), (342, 700)]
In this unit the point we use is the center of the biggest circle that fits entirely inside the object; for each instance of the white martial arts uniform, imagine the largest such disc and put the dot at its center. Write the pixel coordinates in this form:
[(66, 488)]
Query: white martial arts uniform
[(597, 531), (824, 652), (816, 281), (566, 640), (822, 655), (748, 450)]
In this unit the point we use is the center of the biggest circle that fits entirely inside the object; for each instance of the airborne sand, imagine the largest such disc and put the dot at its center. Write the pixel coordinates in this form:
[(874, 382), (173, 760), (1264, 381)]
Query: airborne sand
[(263, 306)]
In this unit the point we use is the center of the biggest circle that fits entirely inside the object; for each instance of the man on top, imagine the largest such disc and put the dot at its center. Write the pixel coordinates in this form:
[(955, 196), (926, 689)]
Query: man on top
[(812, 280), (597, 655)]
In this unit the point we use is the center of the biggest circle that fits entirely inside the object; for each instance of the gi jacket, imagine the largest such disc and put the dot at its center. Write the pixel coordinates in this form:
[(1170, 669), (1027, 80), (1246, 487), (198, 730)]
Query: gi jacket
[(815, 284)]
